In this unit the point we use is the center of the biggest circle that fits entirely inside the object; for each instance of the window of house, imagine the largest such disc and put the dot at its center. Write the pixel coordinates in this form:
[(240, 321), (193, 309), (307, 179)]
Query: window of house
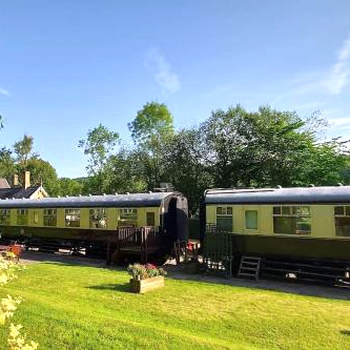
[(292, 220), (5, 216), (22, 216), (251, 219), (224, 218), (342, 220), (128, 217), (150, 219), (72, 217), (50, 217), (98, 218)]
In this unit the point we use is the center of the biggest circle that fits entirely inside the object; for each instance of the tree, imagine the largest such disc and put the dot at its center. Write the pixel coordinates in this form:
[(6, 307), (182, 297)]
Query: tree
[(41, 172), (23, 149), (7, 164), (68, 187), (266, 148), (186, 169), (151, 129), (125, 173), (153, 120), (98, 146)]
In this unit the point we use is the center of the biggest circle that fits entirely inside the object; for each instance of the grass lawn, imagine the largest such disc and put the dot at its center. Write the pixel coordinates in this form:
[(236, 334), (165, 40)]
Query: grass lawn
[(77, 307)]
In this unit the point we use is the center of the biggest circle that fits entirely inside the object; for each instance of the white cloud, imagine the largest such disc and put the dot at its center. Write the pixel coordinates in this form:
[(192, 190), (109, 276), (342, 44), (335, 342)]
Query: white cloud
[(342, 122), (326, 82), (339, 74), (164, 76), (4, 92)]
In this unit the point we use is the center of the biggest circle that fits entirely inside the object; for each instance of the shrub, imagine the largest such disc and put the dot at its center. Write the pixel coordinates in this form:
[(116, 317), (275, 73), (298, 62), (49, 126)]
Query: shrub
[(8, 305), (141, 272)]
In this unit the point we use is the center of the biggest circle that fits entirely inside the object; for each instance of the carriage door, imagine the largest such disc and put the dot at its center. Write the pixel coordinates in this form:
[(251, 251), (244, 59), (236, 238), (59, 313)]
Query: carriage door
[(171, 218)]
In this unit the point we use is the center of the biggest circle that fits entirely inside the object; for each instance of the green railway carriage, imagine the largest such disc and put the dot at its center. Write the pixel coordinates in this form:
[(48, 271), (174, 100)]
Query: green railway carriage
[(300, 224), (93, 219)]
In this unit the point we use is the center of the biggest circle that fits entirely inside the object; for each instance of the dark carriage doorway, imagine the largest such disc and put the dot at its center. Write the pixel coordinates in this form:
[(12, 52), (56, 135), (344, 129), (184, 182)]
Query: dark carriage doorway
[(177, 219)]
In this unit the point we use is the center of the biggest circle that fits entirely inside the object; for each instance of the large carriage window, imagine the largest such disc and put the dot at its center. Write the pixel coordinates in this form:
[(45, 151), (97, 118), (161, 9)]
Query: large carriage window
[(72, 217), (5, 216), (251, 219), (224, 218), (98, 218), (292, 220), (50, 217), (128, 217), (342, 220), (22, 216)]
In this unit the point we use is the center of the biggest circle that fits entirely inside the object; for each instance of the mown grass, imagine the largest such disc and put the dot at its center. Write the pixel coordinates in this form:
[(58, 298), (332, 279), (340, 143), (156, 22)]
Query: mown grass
[(75, 307)]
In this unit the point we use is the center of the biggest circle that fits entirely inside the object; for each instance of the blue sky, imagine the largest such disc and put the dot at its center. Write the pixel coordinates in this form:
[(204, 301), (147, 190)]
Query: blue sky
[(66, 66)]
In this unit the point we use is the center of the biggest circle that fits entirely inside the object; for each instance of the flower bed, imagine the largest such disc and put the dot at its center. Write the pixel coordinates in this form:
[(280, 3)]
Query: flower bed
[(145, 277)]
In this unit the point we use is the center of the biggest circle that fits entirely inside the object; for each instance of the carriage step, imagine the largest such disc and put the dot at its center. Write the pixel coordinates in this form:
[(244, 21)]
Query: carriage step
[(249, 267)]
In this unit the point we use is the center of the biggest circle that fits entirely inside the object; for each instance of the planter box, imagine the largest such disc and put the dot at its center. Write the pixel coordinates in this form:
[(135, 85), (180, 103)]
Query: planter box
[(142, 286)]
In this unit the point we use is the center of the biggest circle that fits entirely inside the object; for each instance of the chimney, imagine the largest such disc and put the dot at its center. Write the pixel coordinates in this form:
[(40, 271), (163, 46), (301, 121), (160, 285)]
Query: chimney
[(15, 180), (26, 179)]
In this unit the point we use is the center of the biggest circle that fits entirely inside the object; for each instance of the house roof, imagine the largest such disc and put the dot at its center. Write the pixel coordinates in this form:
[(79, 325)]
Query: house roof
[(17, 192), (119, 200), (4, 183), (296, 195)]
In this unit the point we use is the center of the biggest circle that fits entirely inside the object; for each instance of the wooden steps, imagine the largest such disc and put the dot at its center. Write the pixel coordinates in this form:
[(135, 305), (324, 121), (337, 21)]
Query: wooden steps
[(249, 267)]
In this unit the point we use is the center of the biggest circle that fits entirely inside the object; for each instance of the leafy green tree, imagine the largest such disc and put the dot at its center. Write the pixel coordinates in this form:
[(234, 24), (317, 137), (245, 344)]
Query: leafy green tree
[(153, 121), (23, 150), (267, 148), (98, 147), (125, 173), (68, 187), (151, 129), (7, 164), (41, 172), (186, 170)]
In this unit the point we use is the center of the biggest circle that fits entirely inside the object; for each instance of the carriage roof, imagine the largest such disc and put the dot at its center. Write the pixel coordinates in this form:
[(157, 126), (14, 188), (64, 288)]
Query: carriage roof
[(292, 195), (152, 199)]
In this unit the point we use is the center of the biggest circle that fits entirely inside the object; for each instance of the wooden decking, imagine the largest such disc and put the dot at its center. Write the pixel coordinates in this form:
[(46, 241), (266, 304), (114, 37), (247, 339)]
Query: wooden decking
[(138, 242)]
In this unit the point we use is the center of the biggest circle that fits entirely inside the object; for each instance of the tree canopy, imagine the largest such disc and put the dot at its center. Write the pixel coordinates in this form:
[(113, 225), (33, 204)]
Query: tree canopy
[(232, 148)]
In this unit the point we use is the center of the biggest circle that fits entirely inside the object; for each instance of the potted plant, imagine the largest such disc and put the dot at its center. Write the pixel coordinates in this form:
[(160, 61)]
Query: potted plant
[(145, 277)]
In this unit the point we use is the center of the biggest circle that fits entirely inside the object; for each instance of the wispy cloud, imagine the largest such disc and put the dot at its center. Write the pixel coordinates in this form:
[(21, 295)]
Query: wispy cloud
[(4, 92), (164, 76), (342, 122), (339, 75), (326, 82)]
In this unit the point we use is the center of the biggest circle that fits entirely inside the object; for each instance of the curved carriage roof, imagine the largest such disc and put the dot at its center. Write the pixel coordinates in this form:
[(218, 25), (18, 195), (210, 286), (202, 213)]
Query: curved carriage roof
[(294, 195), (153, 199)]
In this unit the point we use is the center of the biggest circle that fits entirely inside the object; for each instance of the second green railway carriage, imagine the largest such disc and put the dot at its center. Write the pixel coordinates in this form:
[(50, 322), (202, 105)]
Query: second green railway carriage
[(303, 225)]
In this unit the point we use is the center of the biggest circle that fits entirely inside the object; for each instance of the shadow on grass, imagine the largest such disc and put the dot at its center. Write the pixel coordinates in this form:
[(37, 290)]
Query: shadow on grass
[(345, 332), (114, 287)]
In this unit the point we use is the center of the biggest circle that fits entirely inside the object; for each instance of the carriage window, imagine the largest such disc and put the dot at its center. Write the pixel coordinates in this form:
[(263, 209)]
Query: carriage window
[(5, 216), (98, 218), (150, 219), (50, 217), (342, 220), (22, 216), (72, 217), (292, 220), (251, 219), (128, 217), (224, 218)]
